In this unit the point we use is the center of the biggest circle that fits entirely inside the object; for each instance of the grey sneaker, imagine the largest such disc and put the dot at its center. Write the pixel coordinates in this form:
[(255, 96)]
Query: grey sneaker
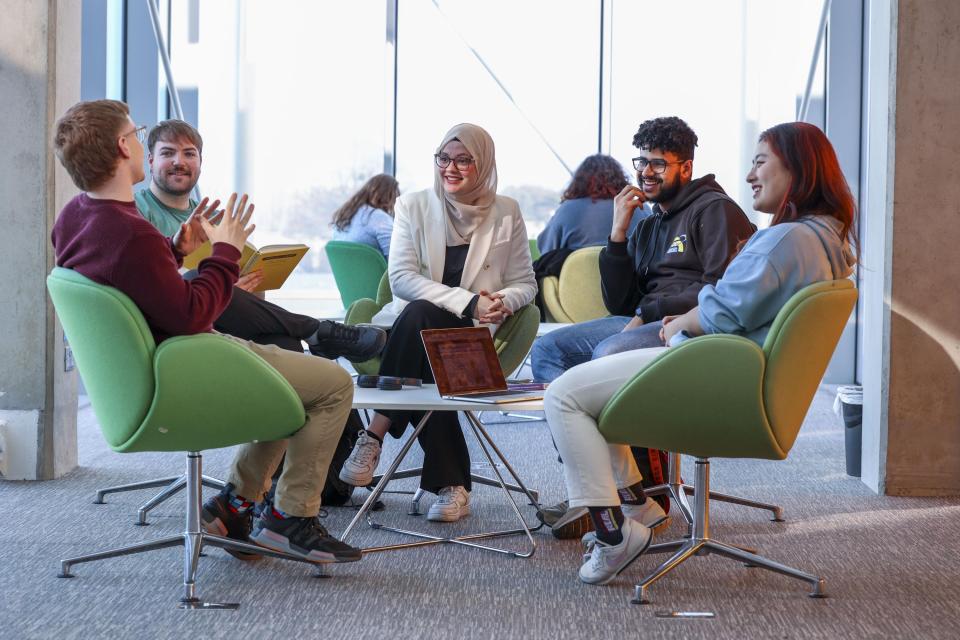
[(302, 537), (358, 469), (650, 514), (607, 561), (452, 504)]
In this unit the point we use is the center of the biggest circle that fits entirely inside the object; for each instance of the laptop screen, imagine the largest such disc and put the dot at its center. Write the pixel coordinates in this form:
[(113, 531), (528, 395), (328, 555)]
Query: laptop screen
[(463, 361)]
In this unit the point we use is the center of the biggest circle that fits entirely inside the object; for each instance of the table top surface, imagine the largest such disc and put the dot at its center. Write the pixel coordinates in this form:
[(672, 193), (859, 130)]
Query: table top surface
[(428, 398)]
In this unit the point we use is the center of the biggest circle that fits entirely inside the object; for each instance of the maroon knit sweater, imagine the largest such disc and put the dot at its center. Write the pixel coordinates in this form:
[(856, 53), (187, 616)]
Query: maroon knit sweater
[(110, 243)]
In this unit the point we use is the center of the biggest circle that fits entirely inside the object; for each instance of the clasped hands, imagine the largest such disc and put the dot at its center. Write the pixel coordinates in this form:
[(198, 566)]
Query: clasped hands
[(491, 308), (228, 225)]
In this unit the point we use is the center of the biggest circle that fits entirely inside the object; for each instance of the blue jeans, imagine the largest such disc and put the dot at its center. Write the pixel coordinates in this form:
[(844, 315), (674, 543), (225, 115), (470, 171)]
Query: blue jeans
[(564, 348)]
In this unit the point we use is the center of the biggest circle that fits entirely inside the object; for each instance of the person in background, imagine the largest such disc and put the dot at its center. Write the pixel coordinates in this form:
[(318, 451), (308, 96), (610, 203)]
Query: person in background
[(175, 156), (460, 258), (795, 177), (585, 214), (367, 217)]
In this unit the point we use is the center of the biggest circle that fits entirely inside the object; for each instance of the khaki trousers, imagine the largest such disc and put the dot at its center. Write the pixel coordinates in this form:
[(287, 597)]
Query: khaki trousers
[(326, 391)]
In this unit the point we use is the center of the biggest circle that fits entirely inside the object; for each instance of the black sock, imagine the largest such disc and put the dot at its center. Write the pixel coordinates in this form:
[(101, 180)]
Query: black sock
[(632, 495), (607, 522), (374, 436)]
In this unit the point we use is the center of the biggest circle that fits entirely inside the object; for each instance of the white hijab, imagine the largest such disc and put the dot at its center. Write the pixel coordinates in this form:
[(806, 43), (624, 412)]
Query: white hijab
[(467, 210)]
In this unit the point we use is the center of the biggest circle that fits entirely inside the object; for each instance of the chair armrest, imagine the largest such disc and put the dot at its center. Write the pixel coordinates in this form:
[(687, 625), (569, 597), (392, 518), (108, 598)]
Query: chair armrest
[(702, 398), (212, 392), (550, 289), (361, 311)]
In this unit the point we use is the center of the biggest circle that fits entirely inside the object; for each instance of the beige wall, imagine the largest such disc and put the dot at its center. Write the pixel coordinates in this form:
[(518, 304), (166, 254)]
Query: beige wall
[(923, 442)]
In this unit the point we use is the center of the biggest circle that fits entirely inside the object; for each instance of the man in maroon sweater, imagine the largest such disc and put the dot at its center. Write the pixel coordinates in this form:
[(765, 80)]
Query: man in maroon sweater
[(101, 235)]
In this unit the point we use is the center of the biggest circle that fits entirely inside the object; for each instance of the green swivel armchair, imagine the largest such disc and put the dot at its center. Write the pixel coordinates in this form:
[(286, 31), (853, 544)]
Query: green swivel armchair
[(188, 394), (357, 269), (575, 296), (749, 403)]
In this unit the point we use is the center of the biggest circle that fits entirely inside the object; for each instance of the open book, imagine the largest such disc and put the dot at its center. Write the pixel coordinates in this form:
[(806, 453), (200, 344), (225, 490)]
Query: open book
[(276, 260)]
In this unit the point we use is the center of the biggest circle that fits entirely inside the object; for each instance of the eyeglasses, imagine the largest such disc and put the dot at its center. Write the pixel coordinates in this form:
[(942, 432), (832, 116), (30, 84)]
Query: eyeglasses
[(658, 165), (461, 162), (141, 133)]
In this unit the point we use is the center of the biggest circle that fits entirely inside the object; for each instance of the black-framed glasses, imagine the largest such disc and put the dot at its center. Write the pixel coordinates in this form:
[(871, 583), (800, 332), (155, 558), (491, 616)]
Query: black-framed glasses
[(461, 162), (141, 133), (658, 165)]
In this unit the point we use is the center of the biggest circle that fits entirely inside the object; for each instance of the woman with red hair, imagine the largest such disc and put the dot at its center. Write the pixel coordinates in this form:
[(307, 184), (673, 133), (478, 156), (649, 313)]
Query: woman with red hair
[(795, 177)]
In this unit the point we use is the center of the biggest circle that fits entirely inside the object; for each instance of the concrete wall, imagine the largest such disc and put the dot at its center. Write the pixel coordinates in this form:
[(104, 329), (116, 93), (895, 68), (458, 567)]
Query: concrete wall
[(39, 79), (923, 421)]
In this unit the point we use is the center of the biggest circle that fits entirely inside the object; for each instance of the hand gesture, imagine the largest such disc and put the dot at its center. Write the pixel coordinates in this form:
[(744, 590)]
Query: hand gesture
[(250, 281), (191, 235), (669, 328), (491, 309), (625, 204), (233, 228)]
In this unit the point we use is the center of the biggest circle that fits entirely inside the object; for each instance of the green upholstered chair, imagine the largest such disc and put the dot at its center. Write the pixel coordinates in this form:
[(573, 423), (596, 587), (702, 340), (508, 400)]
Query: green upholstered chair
[(188, 394), (534, 249), (738, 400), (357, 269), (575, 296)]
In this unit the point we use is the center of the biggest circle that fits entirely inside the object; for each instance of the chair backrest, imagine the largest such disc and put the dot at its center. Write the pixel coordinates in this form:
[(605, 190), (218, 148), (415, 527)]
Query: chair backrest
[(798, 348), (578, 290), (515, 336), (113, 347), (534, 249), (357, 269)]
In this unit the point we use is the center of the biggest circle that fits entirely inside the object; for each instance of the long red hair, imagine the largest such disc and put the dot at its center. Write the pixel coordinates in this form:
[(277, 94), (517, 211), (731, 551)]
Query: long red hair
[(817, 185)]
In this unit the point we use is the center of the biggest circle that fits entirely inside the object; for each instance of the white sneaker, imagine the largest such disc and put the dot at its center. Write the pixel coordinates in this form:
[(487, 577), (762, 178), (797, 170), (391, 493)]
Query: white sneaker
[(650, 514), (452, 504), (607, 561), (358, 469)]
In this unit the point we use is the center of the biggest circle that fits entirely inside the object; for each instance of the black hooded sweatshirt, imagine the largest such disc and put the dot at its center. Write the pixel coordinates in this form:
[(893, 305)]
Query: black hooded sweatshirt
[(671, 255)]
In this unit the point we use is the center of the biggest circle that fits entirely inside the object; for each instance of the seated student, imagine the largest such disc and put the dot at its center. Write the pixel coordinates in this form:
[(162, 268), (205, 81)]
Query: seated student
[(367, 217), (101, 235), (175, 155), (460, 257), (585, 213), (796, 177), (660, 268)]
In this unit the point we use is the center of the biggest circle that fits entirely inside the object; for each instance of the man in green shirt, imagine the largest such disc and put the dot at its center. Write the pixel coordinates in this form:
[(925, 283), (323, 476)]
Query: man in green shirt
[(175, 155)]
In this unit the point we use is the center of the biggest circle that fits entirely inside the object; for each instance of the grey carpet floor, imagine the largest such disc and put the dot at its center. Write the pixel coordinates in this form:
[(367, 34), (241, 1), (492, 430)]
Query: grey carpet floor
[(891, 564)]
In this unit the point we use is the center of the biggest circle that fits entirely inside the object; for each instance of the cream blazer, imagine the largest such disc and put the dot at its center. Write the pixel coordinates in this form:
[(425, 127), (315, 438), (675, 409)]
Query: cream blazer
[(498, 259)]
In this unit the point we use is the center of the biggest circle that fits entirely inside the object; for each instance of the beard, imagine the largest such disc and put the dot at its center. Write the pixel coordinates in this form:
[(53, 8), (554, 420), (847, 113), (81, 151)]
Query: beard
[(165, 185), (668, 191)]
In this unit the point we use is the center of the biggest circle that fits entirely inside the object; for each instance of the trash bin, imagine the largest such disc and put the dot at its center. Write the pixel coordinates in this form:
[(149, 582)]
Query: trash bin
[(849, 406)]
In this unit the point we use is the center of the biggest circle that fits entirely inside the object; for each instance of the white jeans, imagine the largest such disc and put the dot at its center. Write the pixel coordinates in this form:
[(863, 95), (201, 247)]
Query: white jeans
[(593, 469)]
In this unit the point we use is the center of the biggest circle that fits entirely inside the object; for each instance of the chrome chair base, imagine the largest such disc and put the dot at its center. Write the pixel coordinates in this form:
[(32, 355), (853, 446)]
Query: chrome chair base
[(700, 543), (171, 486), (193, 539), (676, 490)]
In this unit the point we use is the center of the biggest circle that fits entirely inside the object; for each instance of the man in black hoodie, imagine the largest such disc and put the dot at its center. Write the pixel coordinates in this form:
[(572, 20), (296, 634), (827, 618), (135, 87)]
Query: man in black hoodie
[(659, 270)]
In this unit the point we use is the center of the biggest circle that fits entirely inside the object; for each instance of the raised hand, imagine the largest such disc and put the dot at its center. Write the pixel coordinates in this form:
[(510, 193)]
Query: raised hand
[(191, 235), (625, 204), (233, 228)]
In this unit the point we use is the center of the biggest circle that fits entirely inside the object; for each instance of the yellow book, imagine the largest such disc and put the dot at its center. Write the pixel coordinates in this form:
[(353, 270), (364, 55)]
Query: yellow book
[(277, 261)]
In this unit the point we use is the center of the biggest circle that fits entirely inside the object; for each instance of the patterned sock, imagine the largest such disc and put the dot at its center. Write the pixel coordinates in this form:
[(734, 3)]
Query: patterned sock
[(632, 495), (607, 522), (279, 514), (238, 504)]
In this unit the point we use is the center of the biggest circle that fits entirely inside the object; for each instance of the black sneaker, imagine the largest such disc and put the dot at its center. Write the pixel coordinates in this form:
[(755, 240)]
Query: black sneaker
[(303, 537), (356, 343), (219, 518)]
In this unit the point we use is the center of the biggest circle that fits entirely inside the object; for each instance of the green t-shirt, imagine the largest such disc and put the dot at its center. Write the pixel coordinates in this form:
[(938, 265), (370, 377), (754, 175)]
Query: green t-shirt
[(166, 219)]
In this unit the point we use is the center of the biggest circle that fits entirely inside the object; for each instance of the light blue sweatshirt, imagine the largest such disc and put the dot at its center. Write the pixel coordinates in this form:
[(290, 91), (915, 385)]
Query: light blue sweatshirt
[(773, 265), (368, 226)]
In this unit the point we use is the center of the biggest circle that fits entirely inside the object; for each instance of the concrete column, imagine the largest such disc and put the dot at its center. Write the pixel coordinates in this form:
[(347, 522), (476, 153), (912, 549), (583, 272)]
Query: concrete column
[(39, 80), (911, 345)]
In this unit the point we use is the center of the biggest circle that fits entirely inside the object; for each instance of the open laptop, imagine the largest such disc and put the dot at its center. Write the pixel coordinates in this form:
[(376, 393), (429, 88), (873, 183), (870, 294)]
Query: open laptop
[(466, 367)]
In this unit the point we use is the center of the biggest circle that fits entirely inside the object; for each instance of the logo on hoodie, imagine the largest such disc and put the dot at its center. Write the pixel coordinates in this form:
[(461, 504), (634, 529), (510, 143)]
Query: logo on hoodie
[(679, 244)]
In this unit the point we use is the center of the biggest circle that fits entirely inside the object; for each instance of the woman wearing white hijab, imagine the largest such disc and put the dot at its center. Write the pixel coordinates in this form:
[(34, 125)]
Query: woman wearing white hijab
[(459, 257)]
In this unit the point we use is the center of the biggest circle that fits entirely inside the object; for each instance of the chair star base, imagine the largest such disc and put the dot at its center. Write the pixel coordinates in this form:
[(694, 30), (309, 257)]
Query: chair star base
[(171, 486)]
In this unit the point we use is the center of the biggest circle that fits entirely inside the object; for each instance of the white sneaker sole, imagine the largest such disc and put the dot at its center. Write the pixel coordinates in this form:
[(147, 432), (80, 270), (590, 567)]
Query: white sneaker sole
[(443, 516), (355, 480)]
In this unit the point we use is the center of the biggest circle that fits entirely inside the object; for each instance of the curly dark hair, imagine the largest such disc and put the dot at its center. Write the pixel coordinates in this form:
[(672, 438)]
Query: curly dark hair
[(599, 177), (667, 134)]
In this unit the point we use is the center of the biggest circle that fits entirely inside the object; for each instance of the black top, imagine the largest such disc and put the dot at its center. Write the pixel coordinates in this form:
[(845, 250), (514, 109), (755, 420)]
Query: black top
[(453, 272)]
